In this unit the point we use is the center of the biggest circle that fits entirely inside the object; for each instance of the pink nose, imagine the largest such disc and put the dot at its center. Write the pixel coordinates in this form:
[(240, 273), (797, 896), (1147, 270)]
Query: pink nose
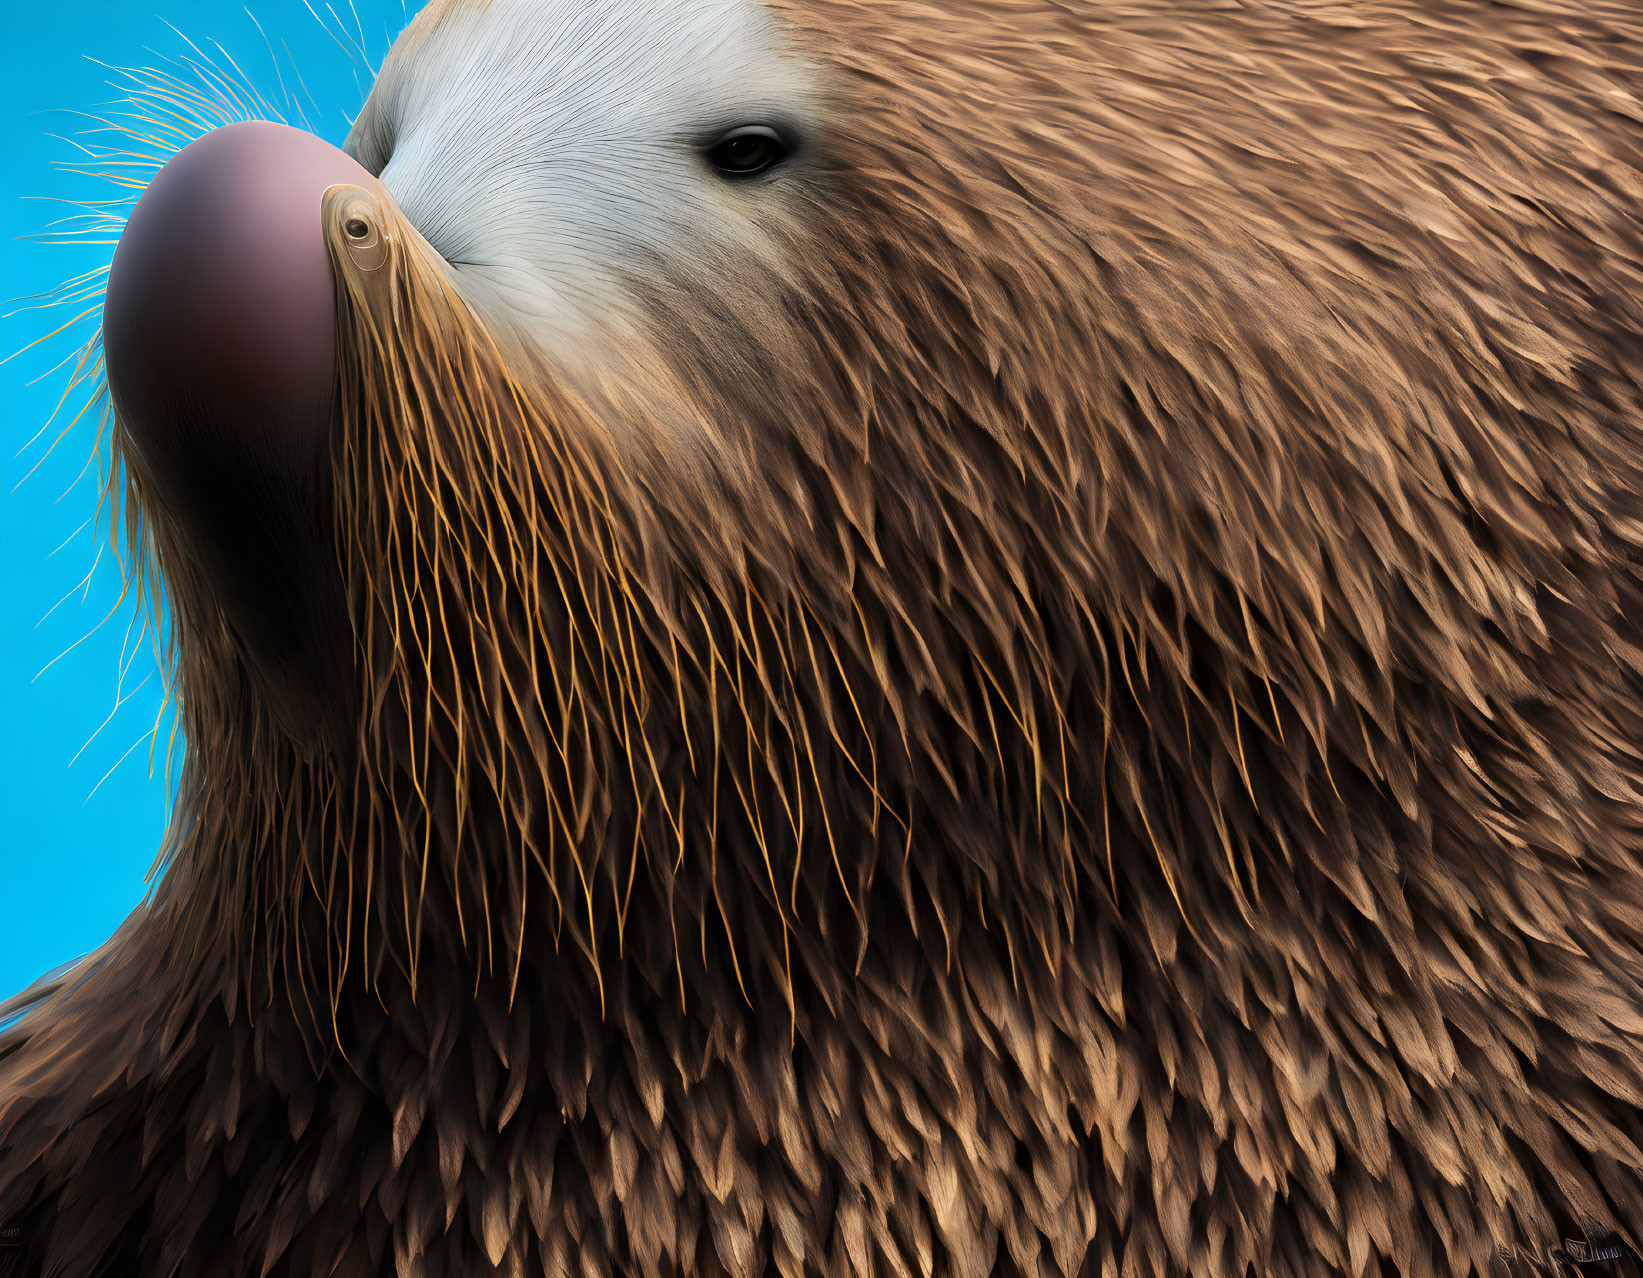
[(219, 333)]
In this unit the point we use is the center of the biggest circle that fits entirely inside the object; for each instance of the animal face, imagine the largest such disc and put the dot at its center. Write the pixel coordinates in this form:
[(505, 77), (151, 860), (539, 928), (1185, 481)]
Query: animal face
[(561, 156)]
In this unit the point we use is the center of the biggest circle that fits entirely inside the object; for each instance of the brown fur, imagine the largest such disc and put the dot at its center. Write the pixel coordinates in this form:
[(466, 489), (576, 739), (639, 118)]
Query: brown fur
[(1088, 725)]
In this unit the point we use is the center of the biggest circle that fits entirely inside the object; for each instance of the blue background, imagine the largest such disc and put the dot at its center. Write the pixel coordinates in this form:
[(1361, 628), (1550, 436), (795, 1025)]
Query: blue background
[(80, 823)]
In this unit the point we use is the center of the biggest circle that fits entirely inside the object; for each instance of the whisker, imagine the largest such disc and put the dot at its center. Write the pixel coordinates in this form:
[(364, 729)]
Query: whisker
[(120, 701), (116, 766)]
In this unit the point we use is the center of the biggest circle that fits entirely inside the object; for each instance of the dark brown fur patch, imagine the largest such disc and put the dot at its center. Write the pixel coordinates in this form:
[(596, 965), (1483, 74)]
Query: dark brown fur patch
[(1120, 757)]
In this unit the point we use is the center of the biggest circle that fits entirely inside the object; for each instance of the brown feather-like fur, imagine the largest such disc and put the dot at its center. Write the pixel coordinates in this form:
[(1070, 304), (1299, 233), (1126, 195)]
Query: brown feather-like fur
[(1089, 723)]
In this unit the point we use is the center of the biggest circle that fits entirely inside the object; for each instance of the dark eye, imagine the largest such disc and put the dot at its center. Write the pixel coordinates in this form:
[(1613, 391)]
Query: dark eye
[(747, 151)]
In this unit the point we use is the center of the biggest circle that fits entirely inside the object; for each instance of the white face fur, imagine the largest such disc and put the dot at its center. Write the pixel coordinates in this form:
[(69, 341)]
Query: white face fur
[(554, 151)]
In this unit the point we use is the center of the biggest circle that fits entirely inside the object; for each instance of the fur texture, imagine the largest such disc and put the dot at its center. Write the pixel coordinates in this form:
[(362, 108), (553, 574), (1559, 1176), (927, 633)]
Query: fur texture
[(1085, 721)]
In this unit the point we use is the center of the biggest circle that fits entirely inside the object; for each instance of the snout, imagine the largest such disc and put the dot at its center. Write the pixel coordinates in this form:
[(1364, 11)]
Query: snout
[(219, 335)]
